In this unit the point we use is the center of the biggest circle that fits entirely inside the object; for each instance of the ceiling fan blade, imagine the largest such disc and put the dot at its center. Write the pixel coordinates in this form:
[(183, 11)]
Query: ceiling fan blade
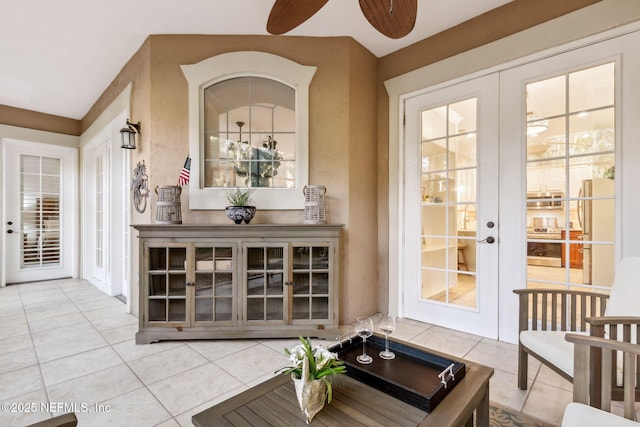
[(288, 14), (393, 18)]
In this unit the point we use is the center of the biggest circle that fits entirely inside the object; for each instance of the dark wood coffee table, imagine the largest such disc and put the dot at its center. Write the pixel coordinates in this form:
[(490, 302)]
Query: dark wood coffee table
[(354, 403)]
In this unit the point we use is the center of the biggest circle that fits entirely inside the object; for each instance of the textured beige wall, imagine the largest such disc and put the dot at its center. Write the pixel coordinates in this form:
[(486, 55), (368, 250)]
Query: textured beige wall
[(342, 129)]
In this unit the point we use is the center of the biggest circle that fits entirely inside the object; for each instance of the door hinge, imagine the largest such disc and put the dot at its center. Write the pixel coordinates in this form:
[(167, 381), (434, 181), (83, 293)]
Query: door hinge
[(404, 119)]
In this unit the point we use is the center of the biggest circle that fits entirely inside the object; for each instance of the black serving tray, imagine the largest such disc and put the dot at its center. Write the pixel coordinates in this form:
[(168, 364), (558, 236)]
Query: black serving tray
[(411, 377)]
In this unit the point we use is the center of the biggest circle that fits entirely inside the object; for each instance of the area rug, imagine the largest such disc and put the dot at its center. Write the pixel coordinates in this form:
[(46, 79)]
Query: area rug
[(499, 416)]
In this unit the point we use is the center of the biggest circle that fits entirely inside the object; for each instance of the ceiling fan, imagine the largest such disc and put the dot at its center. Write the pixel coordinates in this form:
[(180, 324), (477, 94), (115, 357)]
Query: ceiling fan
[(393, 18)]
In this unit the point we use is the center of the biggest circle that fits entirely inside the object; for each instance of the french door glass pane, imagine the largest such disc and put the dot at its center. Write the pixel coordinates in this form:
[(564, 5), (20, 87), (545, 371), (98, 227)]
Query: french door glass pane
[(448, 202), (571, 179)]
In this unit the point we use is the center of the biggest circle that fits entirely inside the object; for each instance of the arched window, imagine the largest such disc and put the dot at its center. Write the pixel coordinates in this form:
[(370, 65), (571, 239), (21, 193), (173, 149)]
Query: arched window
[(248, 114)]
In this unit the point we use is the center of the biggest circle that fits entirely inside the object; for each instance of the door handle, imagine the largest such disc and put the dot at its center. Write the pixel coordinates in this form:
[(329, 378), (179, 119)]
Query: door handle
[(489, 240)]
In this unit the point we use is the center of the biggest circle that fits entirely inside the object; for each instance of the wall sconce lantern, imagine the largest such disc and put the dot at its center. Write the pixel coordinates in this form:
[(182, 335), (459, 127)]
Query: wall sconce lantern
[(128, 134)]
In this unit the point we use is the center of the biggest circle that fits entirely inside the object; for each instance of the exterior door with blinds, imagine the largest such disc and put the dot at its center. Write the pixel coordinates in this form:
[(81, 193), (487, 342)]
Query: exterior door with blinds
[(39, 191)]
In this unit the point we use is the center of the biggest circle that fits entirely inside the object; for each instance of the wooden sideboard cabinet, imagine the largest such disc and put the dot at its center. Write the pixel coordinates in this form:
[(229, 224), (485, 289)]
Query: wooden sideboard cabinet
[(238, 281)]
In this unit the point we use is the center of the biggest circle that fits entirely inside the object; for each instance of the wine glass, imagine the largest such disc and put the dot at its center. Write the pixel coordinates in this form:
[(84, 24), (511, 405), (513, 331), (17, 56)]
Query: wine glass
[(387, 325), (364, 329)]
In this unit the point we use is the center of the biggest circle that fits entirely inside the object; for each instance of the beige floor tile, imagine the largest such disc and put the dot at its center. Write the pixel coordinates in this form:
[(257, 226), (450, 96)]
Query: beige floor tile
[(217, 349), (129, 350), (498, 357), (165, 364), (105, 312), (15, 329), (445, 342), (549, 377), (7, 322), (62, 333), (9, 308), (57, 322), (95, 304), (503, 389), (407, 331), (253, 362), (14, 343), (137, 408), (18, 359), (51, 296), (184, 419), (46, 311), (280, 344), (19, 382), (69, 346), (120, 334), (189, 389), (75, 366), (120, 319), (169, 423), (547, 402), (96, 387), (25, 417)]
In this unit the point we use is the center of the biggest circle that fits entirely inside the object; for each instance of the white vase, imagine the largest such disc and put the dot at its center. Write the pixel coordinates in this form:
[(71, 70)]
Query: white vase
[(311, 393)]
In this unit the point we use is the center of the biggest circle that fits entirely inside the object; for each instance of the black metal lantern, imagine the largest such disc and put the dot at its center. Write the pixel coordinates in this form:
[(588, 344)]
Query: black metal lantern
[(128, 134)]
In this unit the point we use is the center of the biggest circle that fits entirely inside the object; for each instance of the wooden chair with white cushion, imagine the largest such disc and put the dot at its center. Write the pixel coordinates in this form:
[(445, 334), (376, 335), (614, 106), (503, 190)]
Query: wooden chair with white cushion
[(580, 413), (554, 312)]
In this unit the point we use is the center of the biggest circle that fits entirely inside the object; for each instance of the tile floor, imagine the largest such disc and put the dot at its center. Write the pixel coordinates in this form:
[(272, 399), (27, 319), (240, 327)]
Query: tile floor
[(66, 342)]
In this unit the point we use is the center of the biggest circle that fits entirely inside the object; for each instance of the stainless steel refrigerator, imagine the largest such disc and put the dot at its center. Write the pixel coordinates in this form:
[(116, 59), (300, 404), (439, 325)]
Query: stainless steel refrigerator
[(597, 220)]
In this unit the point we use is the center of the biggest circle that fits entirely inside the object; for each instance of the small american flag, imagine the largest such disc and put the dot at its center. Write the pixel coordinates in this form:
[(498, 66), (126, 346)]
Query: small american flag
[(183, 179)]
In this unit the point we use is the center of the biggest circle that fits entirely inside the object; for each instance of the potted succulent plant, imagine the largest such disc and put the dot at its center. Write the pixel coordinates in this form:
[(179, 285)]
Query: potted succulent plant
[(240, 208)]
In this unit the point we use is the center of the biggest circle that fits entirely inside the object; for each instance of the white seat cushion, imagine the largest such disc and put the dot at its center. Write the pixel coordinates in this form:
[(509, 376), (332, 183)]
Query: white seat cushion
[(579, 415), (551, 346), (623, 300)]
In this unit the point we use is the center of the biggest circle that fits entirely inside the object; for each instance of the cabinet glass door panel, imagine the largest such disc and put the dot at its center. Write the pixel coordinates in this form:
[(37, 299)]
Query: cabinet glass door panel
[(301, 309), (224, 259), (320, 308), (214, 283), (177, 310), (255, 309), (157, 259), (300, 284), (204, 309), (158, 310), (275, 309), (274, 283), (310, 282), (320, 259), (275, 258), (204, 285), (301, 257), (255, 258), (264, 282), (320, 283), (224, 284), (177, 259), (255, 284), (223, 309), (157, 284), (167, 284), (177, 284)]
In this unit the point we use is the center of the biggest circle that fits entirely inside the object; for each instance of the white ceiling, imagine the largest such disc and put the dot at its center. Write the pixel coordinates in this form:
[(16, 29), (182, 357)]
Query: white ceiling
[(58, 56)]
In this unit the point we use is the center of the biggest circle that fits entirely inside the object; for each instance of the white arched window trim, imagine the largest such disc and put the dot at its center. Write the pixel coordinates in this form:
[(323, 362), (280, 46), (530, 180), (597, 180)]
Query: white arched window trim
[(243, 64)]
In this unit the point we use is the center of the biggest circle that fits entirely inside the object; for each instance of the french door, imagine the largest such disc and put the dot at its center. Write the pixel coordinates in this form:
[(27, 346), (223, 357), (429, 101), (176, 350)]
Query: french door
[(564, 208), (451, 207), (40, 197)]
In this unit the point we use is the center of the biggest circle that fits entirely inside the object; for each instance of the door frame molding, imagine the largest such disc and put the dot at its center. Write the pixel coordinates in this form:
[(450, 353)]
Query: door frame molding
[(469, 65)]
